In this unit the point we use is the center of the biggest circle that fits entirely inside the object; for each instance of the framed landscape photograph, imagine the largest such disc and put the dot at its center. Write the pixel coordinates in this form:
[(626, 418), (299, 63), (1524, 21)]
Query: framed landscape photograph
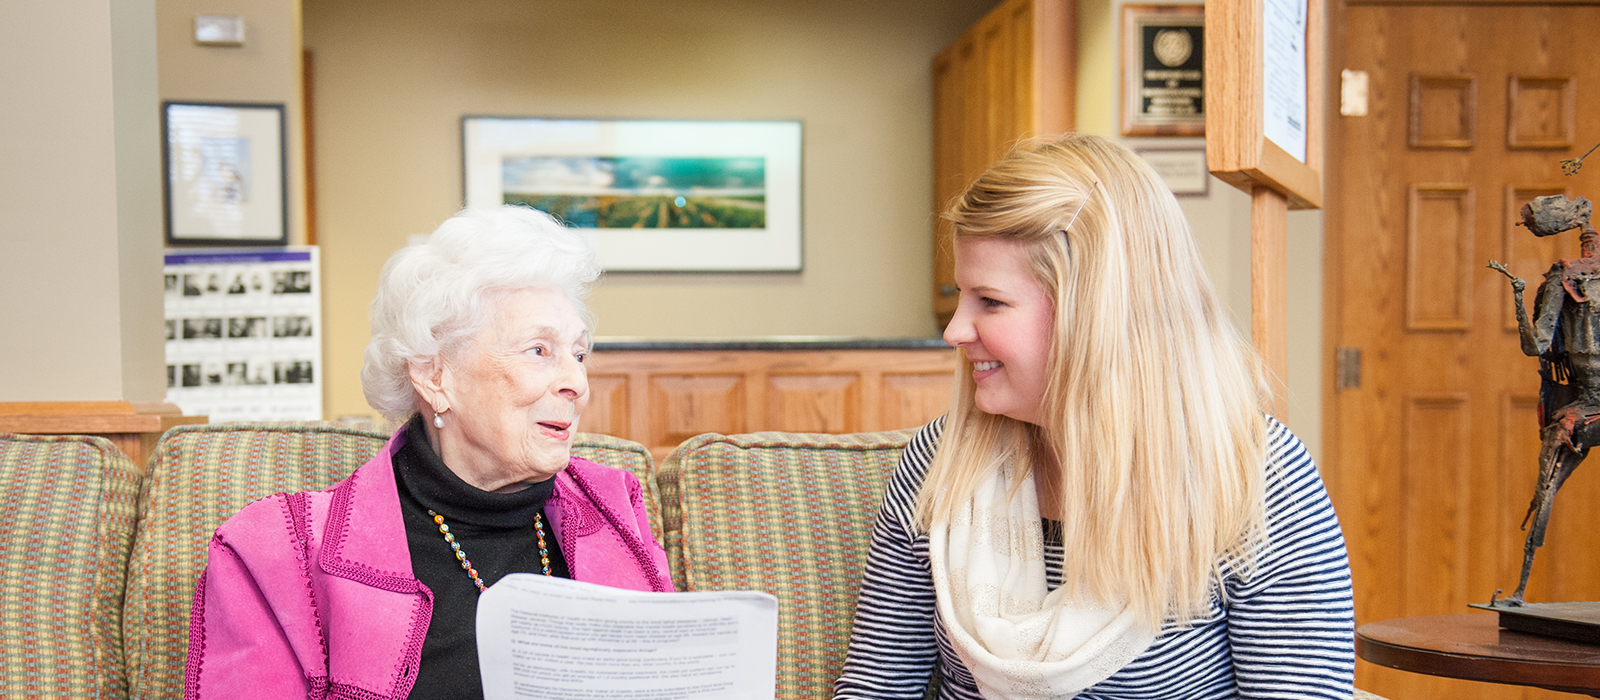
[(226, 180), (1163, 70), (652, 195)]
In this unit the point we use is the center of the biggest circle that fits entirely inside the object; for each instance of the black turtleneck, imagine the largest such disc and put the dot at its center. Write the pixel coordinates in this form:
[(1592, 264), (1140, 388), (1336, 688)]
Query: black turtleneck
[(495, 531)]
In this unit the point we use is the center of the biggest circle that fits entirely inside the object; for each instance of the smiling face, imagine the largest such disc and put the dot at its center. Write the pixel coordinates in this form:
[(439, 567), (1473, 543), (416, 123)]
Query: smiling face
[(1004, 324), (515, 392)]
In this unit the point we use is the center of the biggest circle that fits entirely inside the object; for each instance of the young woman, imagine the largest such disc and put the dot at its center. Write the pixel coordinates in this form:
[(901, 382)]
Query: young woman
[(1105, 512)]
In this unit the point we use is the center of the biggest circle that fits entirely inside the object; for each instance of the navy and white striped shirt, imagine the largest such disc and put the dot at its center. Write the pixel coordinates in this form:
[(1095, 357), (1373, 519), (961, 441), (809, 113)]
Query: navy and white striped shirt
[(1286, 632)]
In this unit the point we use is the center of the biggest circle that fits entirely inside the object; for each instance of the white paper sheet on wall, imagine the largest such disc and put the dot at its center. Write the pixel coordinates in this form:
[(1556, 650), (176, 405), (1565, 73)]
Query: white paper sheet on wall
[(1283, 58), (542, 638)]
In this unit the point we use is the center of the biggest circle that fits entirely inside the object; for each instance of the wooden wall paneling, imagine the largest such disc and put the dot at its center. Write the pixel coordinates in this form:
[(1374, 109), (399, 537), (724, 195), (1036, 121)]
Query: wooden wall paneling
[(1519, 472), (814, 403), (1011, 76), (999, 67), (1541, 112), (1439, 257), (1053, 91), (912, 399), (975, 150), (1444, 111), (1434, 507), (872, 400), (1526, 255), (948, 174), (609, 404), (660, 398), (685, 405)]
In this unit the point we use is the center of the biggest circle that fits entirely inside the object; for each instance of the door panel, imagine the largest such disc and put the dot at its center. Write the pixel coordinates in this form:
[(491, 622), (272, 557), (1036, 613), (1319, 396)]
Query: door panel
[(1432, 457)]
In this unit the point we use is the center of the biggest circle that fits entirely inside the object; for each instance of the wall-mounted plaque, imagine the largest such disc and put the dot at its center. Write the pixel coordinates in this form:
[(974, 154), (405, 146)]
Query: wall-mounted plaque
[(1163, 70)]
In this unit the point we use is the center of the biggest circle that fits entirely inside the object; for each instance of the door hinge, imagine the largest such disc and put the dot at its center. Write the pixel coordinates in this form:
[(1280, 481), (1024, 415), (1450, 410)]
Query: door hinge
[(1347, 368)]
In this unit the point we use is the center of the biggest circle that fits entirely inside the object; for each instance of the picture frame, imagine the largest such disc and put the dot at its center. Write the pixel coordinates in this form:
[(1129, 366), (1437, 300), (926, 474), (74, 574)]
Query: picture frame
[(1182, 169), (651, 195), (226, 180), (1163, 70)]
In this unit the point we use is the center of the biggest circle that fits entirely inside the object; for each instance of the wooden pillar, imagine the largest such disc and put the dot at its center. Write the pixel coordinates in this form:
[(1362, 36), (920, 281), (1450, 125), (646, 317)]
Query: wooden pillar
[(1269, 289)]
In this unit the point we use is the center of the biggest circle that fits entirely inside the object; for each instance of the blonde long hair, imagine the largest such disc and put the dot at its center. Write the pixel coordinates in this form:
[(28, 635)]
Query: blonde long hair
[(1153, 408)]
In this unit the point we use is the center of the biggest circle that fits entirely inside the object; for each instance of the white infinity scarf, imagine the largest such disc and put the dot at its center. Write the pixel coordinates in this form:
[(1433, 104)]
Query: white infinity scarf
[(1019, 642)]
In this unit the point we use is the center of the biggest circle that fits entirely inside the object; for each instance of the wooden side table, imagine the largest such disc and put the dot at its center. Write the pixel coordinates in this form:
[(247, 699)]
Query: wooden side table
[(1474, 647)]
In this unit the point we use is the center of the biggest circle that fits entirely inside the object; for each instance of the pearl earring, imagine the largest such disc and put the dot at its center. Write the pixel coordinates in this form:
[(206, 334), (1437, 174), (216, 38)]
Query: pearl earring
[(438, 421)]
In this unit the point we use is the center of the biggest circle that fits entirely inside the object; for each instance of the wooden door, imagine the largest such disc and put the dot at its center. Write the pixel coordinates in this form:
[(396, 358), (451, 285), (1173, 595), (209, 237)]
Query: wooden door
[(1432, 456)]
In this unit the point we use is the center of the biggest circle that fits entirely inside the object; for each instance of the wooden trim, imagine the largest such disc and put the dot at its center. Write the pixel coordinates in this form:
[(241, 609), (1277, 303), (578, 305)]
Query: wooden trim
[(1330, 462), (132, 427), (1514, 115), (15, 408), (1463, 193), (310, 146), (1467, 86)]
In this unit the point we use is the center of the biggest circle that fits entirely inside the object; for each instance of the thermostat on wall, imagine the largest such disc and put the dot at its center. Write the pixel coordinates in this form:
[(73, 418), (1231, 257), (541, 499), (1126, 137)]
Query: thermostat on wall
[(218, 30)]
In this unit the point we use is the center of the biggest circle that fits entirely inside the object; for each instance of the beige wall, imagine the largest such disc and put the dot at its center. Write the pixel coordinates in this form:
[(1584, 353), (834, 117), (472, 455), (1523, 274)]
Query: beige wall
[(1220, 221), (266, 69), (393, 79), (80, 218)]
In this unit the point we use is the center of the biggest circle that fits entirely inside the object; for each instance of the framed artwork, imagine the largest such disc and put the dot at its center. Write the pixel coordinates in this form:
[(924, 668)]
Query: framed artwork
[(1163, 70), (226, 180), (652, 195)]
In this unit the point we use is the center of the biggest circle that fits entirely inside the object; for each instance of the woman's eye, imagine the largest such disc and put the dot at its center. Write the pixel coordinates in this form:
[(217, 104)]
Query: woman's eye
[(989, 303), (538, 350), (582, 357)]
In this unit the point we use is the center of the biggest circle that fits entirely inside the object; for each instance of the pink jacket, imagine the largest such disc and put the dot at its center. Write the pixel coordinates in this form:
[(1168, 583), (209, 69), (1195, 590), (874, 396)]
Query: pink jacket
[(311, 594)]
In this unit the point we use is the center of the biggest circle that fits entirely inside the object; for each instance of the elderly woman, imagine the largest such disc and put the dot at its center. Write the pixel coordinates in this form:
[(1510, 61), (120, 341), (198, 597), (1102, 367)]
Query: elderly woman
[(369, 589)]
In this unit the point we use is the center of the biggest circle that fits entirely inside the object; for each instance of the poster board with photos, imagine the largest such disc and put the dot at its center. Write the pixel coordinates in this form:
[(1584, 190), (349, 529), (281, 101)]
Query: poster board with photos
[(244, 333), (226, 175), (1163, 70), (651, 195)]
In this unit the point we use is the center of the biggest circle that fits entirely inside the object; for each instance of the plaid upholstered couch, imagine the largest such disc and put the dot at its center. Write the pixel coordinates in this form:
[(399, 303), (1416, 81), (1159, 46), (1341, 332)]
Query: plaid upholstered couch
[(733, 513), (785, 513)]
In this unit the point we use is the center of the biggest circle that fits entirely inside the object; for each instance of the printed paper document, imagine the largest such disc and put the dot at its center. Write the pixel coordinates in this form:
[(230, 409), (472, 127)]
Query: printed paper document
[(542, 638)]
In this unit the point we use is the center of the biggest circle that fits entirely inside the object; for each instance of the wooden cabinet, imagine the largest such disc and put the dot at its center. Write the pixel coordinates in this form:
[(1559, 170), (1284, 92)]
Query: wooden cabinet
[(663, 397), (1011, 76)]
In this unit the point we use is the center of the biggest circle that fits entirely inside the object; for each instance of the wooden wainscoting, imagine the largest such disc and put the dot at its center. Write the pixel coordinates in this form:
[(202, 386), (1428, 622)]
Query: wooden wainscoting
[(663, 397)]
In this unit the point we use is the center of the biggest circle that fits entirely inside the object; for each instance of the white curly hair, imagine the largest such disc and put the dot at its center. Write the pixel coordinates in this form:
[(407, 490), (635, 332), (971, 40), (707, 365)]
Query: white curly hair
[(434, 297)]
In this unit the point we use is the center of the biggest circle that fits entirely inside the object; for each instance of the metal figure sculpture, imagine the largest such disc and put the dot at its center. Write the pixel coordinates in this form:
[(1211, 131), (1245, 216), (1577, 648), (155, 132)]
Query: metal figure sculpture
[(1565, 336)]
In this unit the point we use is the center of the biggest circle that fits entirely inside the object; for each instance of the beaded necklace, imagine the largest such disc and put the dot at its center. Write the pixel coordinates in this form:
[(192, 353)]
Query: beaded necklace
[(538, 529)]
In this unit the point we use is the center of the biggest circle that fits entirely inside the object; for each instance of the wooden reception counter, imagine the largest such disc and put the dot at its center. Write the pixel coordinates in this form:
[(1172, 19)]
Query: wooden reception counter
[(661, 392)]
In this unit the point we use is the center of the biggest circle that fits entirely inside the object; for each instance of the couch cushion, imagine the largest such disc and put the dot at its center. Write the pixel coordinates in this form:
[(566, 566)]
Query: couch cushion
[(201, 475), (784, 513), (72, 507)]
